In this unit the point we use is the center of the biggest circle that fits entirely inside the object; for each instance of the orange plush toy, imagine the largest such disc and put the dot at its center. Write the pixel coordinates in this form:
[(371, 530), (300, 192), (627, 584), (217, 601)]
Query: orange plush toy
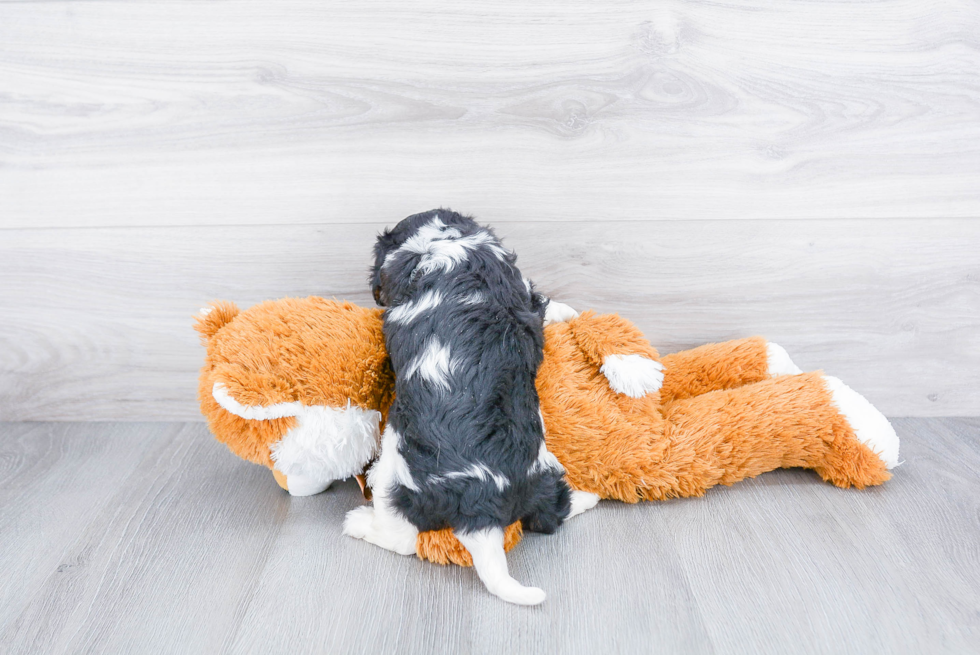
[(302, 387)]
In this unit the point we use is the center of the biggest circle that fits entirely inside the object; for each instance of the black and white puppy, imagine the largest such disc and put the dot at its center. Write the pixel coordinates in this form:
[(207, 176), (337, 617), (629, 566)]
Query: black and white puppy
[(464, 443)]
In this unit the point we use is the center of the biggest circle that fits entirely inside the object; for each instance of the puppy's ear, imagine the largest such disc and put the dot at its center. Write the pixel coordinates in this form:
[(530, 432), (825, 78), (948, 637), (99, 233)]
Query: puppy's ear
[(385, 243)]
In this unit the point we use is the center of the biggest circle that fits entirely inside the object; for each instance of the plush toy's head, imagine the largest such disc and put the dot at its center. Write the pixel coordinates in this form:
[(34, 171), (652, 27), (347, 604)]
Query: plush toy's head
[(298, 385)]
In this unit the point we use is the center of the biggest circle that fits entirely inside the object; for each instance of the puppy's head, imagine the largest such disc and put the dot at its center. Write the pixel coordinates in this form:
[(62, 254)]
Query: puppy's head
[(397, 250)]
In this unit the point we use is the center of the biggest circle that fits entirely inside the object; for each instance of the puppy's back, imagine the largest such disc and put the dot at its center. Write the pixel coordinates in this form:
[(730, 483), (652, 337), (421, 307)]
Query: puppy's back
[(465, 336)]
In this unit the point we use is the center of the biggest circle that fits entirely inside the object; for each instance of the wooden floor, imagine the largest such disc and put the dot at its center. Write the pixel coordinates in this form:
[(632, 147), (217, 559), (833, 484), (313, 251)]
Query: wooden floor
[(151, 537)]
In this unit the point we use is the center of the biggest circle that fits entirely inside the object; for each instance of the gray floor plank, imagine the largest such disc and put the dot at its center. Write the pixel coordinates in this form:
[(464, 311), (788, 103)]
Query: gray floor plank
[(135, 537), (55, 480), (166, 559)]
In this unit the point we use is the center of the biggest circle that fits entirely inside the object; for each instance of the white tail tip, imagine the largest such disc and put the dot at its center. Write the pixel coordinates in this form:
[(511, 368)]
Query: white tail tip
[(487, 549), (513, 591)]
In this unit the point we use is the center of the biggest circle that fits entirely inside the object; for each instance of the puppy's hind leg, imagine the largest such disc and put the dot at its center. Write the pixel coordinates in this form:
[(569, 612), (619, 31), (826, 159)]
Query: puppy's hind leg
[(487, 549), (383, 527)]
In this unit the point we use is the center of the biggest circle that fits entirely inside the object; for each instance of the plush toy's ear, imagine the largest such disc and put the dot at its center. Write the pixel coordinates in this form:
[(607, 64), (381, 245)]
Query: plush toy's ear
[(214, 317)]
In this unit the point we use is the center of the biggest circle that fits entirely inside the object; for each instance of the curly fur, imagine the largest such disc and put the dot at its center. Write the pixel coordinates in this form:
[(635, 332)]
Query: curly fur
[(464, 333)]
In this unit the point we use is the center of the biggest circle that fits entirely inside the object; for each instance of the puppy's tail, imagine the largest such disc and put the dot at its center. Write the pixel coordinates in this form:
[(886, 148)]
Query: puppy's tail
[(487, 549)]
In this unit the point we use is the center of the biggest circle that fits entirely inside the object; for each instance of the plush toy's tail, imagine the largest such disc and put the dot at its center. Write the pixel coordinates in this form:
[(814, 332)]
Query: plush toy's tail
[(214, 317), (487, 549)]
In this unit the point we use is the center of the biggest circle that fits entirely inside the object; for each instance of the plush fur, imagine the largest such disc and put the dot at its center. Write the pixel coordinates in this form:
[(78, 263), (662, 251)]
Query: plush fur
[(719, 416)]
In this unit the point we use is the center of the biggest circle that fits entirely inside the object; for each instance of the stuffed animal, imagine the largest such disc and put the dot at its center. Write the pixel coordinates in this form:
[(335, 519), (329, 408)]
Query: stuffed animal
[(302, 386)]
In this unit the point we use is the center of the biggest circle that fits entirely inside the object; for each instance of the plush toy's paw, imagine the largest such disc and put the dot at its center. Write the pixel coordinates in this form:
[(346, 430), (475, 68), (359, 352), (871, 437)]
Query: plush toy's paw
[(298, 485), (869, 425), (389, 531), (582, 501), (558, 312), (779, 361), (633, 375)]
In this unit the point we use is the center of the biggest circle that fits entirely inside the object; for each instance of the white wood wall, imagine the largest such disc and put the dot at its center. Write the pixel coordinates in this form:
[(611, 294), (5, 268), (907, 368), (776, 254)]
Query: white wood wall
[(809, 171)]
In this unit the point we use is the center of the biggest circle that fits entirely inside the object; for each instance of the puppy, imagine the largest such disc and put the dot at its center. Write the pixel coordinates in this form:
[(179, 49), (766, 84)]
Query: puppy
[(464, 443)]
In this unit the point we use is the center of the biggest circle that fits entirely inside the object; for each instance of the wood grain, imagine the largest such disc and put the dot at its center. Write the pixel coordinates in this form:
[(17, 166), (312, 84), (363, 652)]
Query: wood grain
[(97, 322), (250, 112), (152, 537), (54, 482)]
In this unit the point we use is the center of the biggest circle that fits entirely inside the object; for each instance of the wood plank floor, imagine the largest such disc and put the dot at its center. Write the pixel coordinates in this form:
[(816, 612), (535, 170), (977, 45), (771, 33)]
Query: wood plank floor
[(151, 537)]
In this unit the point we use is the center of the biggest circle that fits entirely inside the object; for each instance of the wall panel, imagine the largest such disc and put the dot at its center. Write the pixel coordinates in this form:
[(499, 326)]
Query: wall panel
[(96, 322), (298, 111)]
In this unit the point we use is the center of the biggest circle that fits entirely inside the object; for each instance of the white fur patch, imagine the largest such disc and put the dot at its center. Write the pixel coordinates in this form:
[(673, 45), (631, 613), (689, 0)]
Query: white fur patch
[(328, 444), (477, 471), (870, 425), (382, 526), (446, 254), (300, 485), (253, 412), (391, 467), (633, 375), (473, 298), (433, 364), (419, 242), (443, 247), (779, 361), (434, 230), (411, 310), (427, 238), (582, 501), (487, 549), (558, 312), (545, 460)]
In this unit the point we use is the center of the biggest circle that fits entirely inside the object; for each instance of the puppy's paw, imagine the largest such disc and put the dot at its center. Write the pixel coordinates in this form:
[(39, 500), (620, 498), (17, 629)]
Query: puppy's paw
[(359, 522), (389, 531), (633, 375), (582, 501), (558, 312)]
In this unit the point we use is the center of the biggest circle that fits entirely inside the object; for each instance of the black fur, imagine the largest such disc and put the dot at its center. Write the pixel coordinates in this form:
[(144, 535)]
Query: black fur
[(488, 415)]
